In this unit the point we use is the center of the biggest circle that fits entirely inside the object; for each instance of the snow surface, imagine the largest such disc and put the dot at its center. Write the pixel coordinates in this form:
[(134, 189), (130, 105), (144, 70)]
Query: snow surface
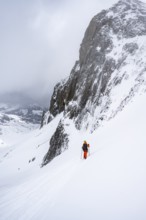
[(13, 128), (132, 78), (109, 185), (14, 131)]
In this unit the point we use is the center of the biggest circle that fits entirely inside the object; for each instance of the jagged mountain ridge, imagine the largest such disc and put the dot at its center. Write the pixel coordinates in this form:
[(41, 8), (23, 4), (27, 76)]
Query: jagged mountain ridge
[(29, 114), (113, 176), (18, 115), (21, 105), (110, 71)]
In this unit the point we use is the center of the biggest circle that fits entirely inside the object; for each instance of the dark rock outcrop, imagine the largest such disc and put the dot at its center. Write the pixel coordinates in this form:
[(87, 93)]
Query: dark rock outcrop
[(110, 45), (58, 144), (89, 78)]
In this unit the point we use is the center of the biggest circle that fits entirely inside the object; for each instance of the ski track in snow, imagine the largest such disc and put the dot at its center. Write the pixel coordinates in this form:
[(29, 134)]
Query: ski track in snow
[(110, 184)]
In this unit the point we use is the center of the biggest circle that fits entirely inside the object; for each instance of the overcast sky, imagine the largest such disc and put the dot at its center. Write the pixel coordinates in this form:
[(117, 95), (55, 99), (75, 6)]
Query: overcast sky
[(40, 40)]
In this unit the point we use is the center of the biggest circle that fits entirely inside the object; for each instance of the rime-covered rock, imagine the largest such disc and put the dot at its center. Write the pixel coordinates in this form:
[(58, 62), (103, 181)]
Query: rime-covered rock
[(58, 144), (110, 70)]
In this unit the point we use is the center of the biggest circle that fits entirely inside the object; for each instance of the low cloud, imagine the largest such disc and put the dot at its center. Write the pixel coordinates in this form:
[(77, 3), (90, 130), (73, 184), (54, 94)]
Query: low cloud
[(40, 41)]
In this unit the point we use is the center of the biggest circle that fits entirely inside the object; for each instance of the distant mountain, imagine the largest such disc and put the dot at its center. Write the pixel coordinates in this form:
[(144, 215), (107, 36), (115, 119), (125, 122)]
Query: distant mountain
[(103, 102), (111, 69), (18, 115)]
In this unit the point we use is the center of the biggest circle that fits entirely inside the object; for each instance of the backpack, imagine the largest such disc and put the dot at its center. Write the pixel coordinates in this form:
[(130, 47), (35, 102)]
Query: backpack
[(85, 147)]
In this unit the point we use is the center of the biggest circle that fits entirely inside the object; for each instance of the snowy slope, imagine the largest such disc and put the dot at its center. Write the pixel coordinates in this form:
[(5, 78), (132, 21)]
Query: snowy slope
[(16, 120), (106, 90), (13, 130), (110, 71), (110, 184)]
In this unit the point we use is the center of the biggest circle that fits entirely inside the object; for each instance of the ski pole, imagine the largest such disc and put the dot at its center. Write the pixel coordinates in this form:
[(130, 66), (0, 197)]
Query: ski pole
[(81, 153)]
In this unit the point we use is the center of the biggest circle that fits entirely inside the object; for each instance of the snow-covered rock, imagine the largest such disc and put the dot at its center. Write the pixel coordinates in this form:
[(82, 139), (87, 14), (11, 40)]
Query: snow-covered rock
[(110, 184), (111, 68)]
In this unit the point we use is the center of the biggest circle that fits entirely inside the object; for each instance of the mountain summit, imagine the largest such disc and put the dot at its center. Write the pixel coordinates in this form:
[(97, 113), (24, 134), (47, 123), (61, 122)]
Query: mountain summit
[(110, 71), (103, 102)]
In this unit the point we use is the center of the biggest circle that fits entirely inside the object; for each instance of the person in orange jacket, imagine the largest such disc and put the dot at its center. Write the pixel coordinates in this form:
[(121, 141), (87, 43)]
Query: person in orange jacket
[(85, 149)]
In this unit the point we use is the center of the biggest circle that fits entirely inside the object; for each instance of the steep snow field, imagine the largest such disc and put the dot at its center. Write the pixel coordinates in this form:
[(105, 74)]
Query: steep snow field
[(13, 132), (109, 185)]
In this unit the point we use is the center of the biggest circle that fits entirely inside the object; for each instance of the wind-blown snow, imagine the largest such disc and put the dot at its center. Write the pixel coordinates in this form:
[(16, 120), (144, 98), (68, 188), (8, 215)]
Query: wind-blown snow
[(110, 184)]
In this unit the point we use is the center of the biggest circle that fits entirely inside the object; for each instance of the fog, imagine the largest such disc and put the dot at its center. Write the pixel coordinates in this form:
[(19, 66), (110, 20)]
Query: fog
[(40, 41)]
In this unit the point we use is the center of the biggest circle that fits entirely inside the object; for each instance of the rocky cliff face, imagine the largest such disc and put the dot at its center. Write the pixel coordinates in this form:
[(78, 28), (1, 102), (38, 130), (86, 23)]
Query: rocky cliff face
[(110, 70), (58, 143)]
